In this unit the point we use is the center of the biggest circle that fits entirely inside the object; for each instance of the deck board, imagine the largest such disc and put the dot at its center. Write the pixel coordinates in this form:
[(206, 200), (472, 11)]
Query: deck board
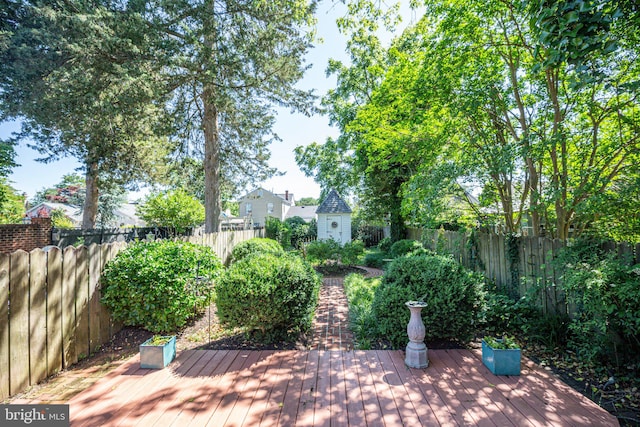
[(338, 388)]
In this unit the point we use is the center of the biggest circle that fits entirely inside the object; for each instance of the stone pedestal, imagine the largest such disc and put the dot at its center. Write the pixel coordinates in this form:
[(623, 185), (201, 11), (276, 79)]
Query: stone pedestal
[(416, 353)]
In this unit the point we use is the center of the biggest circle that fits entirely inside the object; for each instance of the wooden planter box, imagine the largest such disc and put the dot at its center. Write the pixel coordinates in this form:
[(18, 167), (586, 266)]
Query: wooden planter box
[(157, 356), (501, 362)]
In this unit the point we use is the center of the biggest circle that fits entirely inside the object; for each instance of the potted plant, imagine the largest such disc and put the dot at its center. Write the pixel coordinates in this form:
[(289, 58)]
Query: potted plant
[(158, 351), (501, 355)]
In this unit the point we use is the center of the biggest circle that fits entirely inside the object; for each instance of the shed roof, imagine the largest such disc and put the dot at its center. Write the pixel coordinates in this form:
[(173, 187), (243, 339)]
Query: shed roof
[(333, 204)]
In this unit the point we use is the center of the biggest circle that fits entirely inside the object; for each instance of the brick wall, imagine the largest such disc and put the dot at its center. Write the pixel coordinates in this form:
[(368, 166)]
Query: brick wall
[(25, 236)]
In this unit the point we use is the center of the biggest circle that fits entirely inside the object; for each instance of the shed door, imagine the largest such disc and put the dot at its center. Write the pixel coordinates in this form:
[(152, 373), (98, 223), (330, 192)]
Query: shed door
[(334, 228)]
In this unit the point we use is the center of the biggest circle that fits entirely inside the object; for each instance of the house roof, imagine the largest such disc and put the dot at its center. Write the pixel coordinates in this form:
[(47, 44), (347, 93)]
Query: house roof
[(287, 198), (74, 213), (333, 204), (305, 212), (125, 214)]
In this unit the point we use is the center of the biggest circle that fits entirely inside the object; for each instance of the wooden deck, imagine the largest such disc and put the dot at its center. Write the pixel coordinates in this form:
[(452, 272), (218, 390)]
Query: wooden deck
[(323, 388)]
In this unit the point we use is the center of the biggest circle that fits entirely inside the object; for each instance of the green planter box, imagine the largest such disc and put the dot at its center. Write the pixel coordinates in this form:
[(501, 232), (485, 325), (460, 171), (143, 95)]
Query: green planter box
[(501, 362), (157, 356)]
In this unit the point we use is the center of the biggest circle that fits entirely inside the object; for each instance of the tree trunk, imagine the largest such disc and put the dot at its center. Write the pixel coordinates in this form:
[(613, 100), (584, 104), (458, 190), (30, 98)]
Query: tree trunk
[(212, 199), (90, 209)]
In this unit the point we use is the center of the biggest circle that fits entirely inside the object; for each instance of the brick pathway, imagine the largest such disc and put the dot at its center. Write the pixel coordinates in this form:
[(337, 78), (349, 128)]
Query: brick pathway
[(331, 324)]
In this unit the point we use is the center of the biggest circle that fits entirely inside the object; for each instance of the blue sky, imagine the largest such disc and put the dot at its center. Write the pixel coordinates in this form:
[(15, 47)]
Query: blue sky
[(293, 129)]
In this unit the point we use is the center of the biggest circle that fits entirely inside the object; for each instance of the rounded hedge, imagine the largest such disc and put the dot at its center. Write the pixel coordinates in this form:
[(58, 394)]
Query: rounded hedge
[(253, 246), (159, 285), (453, 293), (272, 294), (406, 247)]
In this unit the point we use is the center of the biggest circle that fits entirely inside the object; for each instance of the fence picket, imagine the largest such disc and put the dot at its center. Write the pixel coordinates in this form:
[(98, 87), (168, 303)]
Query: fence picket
[(69, 356), (38, 323), (103, 314), (19, 322), (82, 302), (4, 326), (94, 297), (54, 310)]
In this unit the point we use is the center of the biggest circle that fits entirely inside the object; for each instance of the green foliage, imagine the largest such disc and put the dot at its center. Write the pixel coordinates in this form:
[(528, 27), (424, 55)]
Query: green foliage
[(375, 259), (360, 293), (59, 219), (279, 231), (11, 204), (301, 232), (75, 76), (307, 201), (176, 210), (454, 297), (502, 314), (505, 343), (351, 252), (159, 285), (254, 246), (406, 247), (323, 251), (606, 294), (274, 295), (385, 244)]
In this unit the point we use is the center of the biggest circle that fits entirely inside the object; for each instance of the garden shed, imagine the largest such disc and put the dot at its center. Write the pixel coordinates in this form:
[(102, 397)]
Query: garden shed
[(334, 219)]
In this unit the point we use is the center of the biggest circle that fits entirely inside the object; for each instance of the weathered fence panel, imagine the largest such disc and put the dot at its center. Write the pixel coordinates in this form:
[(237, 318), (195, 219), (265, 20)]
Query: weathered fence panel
[(532, 267), (54, 311), (50, 310), (82, 303), (4, 326), (37, 322), (69, 356), (19, 322)]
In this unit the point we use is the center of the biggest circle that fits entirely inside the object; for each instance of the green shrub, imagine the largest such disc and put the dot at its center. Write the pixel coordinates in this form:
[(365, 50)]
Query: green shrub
[(154, 285), (375, 259), (278, 231), (606, 295), (254, 246), (351, 252), (406, 247), (300, 231), (503, 315), (323, 251), (454, 296), (360, 293), (385, 244), (275, 295)]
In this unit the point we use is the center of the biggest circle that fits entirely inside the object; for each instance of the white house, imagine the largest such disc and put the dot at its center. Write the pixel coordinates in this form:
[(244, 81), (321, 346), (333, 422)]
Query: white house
[(334, 219), (260, 204)]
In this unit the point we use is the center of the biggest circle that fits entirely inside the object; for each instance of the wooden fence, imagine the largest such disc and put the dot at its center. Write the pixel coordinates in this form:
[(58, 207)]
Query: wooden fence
[(50, 310), (527, 266)]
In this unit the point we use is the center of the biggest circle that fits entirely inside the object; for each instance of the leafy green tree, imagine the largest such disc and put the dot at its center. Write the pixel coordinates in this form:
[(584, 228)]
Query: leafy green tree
[(333, 164), (227, 63), (307, 201), (175, 209), (7, 156), (71, 191), (12, 207), (76, 73), (59, 219)]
